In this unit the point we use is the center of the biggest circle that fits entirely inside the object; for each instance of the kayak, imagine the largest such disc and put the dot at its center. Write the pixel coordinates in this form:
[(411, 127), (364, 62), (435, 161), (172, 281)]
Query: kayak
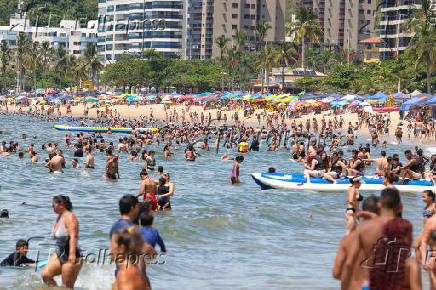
[(299, 182), (104, 129)]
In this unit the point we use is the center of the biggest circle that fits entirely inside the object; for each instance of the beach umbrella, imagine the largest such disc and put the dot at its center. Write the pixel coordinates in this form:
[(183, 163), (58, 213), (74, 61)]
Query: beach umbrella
[(337, 104), (348, 97), (91, 100), (363, 104)]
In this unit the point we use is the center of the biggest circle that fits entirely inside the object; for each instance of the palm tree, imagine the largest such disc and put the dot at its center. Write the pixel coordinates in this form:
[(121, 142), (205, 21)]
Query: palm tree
[(77, 68), (61, 63), (424, 51), (241, 37), (5, 57), (261, 31), (267, 61), (46, 53), (232, 59), (150, 53), (422, 21), (422, 24), (20, 57), (222, 42), (33, 60), (305, 28), (94, 62), (285, 57)]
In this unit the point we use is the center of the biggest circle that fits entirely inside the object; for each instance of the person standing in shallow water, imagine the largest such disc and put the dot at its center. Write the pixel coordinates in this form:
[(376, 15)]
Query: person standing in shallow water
[(235, 170), (112, 165), (66, 260)]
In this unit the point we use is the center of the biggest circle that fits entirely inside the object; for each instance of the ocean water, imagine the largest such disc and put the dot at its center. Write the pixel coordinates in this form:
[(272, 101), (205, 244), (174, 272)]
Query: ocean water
[(218, 235)]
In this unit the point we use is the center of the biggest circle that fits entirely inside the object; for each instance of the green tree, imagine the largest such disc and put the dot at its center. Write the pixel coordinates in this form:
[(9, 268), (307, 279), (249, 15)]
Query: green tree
[(422, 45), (33, 60), (268, 58), (285, 57), (222, 42), (261, 31), (46, 52), (21, 54), (60, 64), (93, 62), (5, 58), (150, 53), (424, 52), (305, 28)]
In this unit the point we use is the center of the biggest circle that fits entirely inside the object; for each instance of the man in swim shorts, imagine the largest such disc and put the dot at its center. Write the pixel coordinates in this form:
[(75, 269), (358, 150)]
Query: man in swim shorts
[(112, 165)]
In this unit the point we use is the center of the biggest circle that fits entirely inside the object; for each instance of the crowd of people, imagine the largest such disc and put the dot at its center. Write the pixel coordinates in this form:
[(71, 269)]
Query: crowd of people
[(310, 142)]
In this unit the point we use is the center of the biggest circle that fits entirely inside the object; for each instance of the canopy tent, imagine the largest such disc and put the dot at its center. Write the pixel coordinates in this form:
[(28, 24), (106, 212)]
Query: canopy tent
[(377, 96), (414, 102), (401, 96), (431, 101)]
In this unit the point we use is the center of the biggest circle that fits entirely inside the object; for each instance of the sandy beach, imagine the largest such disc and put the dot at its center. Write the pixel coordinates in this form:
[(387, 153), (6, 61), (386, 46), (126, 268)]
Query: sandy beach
[(133, 111)]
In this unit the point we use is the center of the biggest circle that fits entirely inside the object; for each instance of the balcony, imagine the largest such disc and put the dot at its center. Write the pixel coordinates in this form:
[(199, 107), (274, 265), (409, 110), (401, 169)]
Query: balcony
[(60, 39)]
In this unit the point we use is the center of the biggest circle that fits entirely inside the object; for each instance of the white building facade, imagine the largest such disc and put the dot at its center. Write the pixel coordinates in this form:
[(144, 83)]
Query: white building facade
[(126, 26), (70, 35)]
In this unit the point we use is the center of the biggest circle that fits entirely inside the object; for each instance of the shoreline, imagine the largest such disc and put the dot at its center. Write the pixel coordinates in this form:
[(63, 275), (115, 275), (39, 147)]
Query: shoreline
[(159, 113)]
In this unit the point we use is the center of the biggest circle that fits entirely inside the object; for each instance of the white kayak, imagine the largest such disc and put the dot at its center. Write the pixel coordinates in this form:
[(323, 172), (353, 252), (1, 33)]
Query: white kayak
[(299, 182)]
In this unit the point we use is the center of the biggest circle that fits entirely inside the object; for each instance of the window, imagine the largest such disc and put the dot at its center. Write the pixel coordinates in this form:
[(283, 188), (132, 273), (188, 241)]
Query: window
[(247, 6), (252, 28), (361, 11), (368, 12), (361, 1), (253, 16), (235, 27), (234, 16), (247, 16), (235, 5), (369, 1), (253, 6)]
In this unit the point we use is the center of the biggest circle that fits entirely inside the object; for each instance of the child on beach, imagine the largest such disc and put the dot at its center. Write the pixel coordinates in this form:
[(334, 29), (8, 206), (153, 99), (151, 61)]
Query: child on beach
[(18, 257), (235, 171)]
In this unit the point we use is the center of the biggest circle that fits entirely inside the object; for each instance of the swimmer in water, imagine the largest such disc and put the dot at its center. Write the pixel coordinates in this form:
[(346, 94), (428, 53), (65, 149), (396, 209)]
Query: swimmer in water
[(235, 170), (353, 200), (112, 165), (225, 157), (75, 163), (54, 163), (190, 154), (89, 158), (148, 185)]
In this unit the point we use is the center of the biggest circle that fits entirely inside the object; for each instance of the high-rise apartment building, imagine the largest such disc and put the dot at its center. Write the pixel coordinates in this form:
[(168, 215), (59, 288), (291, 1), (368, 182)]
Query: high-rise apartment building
[(392, 33), (209, 19), (127, 26), (344, 22)]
